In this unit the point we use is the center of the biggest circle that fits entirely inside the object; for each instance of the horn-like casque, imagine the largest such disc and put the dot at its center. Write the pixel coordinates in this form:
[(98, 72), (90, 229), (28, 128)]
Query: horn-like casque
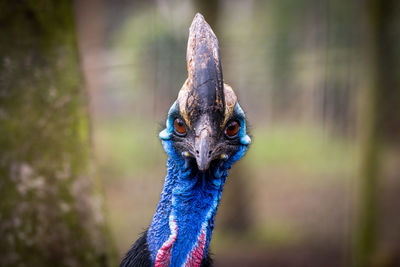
[(203, 91)]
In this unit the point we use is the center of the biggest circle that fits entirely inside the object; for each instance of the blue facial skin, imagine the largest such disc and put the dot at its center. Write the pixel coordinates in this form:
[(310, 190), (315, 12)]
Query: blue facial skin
[(190, 196)]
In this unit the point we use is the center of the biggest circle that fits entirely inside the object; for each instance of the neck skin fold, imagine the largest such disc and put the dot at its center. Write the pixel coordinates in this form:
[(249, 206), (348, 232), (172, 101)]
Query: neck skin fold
[(181, 229)]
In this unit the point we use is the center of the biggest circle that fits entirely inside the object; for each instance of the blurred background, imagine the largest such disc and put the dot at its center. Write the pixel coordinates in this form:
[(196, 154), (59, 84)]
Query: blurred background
[(85, 87)]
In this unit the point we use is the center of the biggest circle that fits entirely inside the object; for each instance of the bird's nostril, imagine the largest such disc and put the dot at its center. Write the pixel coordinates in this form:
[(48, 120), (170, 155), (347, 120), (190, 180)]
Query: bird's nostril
[(197, 152)]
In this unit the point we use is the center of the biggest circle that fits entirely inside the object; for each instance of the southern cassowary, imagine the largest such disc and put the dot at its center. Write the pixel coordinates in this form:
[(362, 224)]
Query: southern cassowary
[(205, 134)]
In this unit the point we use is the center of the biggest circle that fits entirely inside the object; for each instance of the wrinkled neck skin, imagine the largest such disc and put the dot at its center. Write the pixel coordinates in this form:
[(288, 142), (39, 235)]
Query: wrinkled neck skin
[(181, 229)]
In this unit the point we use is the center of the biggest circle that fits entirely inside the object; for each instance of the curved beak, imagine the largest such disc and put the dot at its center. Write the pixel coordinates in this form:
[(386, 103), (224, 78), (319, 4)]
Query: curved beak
[(203, 151)]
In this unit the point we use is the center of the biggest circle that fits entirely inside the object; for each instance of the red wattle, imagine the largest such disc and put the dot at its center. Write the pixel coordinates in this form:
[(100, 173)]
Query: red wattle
[(196, 255), (163, 257)]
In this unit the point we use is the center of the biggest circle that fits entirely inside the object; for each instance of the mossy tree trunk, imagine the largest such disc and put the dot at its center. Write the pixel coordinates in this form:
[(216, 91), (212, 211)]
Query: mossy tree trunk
[(50, 211)]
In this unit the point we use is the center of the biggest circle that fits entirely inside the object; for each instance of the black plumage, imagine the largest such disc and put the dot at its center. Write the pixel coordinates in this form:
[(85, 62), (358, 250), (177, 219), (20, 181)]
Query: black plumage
[(139, 255)]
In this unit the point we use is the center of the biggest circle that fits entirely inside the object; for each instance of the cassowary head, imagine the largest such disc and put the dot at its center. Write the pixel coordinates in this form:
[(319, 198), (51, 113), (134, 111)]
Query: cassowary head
[(206, 123)]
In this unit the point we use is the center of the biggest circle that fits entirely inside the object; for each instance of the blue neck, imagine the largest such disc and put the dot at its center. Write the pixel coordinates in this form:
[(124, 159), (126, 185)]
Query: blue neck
[(181, 228)]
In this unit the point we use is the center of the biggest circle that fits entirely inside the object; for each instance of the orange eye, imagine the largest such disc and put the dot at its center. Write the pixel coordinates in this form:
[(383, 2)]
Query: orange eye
[(179, 126), (232, 129)]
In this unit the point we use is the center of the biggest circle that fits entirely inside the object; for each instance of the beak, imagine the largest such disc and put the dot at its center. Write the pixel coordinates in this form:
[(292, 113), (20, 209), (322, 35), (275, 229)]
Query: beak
[(203, 151)]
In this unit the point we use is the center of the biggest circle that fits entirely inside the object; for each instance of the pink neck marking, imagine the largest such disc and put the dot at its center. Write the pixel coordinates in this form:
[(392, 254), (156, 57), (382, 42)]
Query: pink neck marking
[(195, 256), (163, 257)]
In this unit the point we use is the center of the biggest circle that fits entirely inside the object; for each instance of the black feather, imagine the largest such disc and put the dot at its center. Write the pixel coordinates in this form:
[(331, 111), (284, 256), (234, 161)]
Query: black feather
[(138, 255), (207, 262)]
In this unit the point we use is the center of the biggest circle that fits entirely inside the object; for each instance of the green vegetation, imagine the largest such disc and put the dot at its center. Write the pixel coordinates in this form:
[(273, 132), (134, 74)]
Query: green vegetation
[(304, 148), (128, 146)]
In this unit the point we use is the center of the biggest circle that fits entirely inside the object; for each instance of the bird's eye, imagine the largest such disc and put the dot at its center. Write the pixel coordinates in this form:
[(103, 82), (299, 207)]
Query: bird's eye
[(232, 129), (179, 127)]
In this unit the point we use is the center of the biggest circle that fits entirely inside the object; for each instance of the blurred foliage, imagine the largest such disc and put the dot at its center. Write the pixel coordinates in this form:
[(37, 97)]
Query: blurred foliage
[(124, 148), (303, 148)]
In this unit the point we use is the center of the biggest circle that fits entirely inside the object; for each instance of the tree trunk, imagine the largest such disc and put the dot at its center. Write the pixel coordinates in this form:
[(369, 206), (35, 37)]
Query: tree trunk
[(376, 83), (50, 210)]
